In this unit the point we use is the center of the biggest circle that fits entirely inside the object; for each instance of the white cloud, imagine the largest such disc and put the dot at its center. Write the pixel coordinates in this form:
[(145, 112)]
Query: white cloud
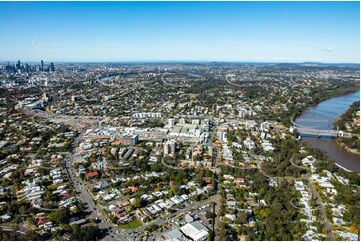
[(329, 49)]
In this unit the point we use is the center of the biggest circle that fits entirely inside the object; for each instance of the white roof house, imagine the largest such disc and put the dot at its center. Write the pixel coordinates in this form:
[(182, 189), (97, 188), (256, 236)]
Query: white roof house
[(348, 236), (195, 230), (299, 186)]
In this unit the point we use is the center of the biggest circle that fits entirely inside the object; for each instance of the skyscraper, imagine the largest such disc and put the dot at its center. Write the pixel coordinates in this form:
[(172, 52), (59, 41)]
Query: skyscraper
[(18, 65), (171, 122), (52, 67), (42, 65), (166, 149), (169, 148)]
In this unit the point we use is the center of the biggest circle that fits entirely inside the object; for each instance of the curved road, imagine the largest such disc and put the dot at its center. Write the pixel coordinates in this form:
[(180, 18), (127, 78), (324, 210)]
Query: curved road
[(171, 167), (318, 199)]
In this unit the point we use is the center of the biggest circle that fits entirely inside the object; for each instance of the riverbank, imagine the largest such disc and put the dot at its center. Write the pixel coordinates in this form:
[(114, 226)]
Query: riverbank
[(349, 121), (344, 146)]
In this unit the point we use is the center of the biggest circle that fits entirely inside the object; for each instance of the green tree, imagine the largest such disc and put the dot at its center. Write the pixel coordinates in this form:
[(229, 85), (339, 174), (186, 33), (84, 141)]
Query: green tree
[(89, 233), (59, 216)]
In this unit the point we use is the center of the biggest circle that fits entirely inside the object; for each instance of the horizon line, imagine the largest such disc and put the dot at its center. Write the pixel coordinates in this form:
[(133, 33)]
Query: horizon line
[(187, 61)]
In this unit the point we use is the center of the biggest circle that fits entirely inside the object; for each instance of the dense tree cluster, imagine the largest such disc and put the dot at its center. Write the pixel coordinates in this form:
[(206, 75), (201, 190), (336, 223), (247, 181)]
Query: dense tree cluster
[(347, 118), (88, 233), (281, 165)]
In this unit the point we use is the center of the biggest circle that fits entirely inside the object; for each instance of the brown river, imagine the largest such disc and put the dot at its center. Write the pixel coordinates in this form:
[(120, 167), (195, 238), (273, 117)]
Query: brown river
[(322, 116)]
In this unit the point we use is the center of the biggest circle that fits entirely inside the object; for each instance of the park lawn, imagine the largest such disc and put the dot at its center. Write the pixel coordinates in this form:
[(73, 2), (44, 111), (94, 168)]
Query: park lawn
[(131, 225), (193, 95)]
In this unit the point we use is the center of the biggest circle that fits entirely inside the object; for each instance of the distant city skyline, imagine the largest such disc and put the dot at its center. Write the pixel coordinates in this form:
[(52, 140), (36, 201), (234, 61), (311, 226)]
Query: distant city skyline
[(327, 32)]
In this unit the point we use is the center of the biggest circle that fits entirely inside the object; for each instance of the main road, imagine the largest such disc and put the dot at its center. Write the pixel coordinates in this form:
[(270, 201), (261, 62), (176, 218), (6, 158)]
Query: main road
[(319, 201), (80, 123), (86, 198)]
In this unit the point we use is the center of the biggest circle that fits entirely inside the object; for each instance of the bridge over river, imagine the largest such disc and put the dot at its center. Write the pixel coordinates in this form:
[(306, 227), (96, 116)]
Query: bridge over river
[(321, 133)]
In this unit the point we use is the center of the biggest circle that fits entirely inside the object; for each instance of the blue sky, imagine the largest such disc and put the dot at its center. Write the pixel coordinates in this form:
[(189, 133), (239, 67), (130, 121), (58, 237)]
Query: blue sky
[(195, 31)]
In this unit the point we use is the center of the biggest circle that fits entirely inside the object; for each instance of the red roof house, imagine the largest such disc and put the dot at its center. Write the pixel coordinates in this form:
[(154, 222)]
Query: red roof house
[(133, 188), (91, 175)]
